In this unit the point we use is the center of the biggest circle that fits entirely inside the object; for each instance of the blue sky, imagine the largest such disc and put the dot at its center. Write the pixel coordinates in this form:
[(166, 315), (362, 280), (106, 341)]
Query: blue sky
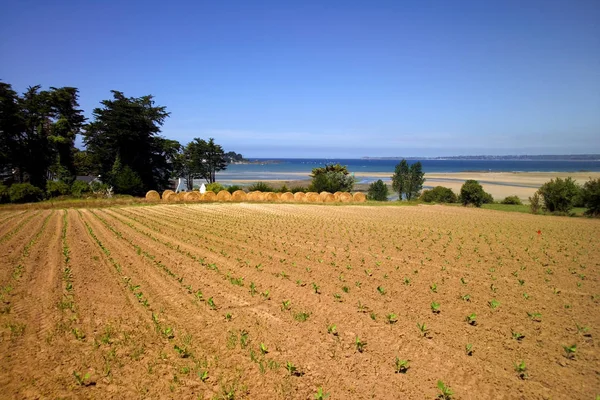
[(328, 78)]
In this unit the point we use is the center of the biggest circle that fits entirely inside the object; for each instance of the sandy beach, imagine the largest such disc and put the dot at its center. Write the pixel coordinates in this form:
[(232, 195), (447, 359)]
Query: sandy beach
[(498, 184)]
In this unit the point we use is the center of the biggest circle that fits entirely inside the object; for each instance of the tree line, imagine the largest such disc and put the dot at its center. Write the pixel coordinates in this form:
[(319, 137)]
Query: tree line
[(123, 143)]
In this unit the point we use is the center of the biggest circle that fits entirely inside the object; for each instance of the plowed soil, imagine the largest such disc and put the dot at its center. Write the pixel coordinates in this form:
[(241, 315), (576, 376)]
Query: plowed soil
[(279, 301)]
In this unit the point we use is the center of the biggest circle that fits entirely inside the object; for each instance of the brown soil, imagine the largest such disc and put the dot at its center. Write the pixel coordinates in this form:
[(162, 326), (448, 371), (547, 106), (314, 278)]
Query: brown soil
[(175, 300)]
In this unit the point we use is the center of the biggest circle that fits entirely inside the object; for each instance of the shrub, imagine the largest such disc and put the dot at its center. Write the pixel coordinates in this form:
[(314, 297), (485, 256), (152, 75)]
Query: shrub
[(25, 193), (378, 191), (261, 187), (590, 195), (233, 188), (78, 188), (559, 194), (534, 203), (283, 189), (56, 188), (487, 198), (4, 194), (439, 194), (215, 187), (297, 189), (471, 192), (512, 200), (331, 178)]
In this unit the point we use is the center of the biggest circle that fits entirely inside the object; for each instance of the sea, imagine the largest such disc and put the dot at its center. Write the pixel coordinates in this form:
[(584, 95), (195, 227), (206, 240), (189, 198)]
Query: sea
[(300, 168)]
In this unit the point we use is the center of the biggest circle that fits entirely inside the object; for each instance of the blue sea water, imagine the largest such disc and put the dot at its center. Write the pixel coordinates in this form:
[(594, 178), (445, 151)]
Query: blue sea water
[(290, 168)]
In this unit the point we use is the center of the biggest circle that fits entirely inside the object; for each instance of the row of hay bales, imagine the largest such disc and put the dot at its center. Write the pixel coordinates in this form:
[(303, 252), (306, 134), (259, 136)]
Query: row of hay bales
[(240, 195)]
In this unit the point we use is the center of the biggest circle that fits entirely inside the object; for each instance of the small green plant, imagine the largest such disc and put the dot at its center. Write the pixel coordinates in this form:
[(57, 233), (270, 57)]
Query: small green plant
[(423, 329), (472, 319), (517, 336), (570, 351), (301, 316), (493, 304), (402, 366), (316, 288), (583, 329), (203, 375), (321, 395), (211, 303), (345, 289), (466, 297), (228, 316), (526, 296), (381, 290), (252, 289), (446, 392), (83, 380), (285, 305), (406, 281), (373, 316), (292, 369), (392, 318), (360, 344), (537, 317), (435, 307), (182, 351), (332, 329), (521, 369), (263, 348), (244, 338), (469, 349), (433, 287)]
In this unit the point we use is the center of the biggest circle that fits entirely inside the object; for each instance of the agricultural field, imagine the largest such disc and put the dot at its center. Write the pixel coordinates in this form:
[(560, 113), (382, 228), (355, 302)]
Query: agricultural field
[(298, 301)]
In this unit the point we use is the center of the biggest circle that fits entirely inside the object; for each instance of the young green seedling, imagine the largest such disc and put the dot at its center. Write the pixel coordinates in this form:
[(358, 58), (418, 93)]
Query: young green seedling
[(228, 316), (521, 369), (517, 336), (332, 329), (537, 317), (211, 303), (402, 366), (263, 348), (493, 304), (285, 305), (466, 297), (392, 318), (435, 307), (570, 351), (360, 345), (316, 288), (423, 329), (321, 395), (381, 290), (446, 392), (203, 375), (472, 319), (469, 349), (433, 287), (292, 370)]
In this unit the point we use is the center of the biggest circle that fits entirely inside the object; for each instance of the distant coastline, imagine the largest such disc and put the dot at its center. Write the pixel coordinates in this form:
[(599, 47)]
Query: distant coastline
[(541, 157)]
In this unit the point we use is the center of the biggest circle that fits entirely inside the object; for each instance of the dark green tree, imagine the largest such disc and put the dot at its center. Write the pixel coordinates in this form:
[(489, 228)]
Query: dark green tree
[(11, 128), (559, 194), (331, 178), (205, 159), (590, 194), (128, 128), (472, 192), (439, 194), (415, 181), (378, 191), (401, 178)]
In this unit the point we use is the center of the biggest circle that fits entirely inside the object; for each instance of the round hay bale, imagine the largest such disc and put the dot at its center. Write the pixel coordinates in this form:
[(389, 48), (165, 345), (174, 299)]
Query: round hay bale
[(359, 197), (152, 195), (166, 193), (224, 195), (328, 198), (170, 197), (312, 197), (345, 197), (287, 197), (238, 195), (270, 196), (323, 195), (209, 196), (259, 196), (278, 195), (251, 196), (299, 196), (192, 196), (180, 196), (337, 195)]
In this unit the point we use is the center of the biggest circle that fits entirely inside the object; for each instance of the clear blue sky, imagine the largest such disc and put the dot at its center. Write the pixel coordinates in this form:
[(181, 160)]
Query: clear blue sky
[(328, 78)]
